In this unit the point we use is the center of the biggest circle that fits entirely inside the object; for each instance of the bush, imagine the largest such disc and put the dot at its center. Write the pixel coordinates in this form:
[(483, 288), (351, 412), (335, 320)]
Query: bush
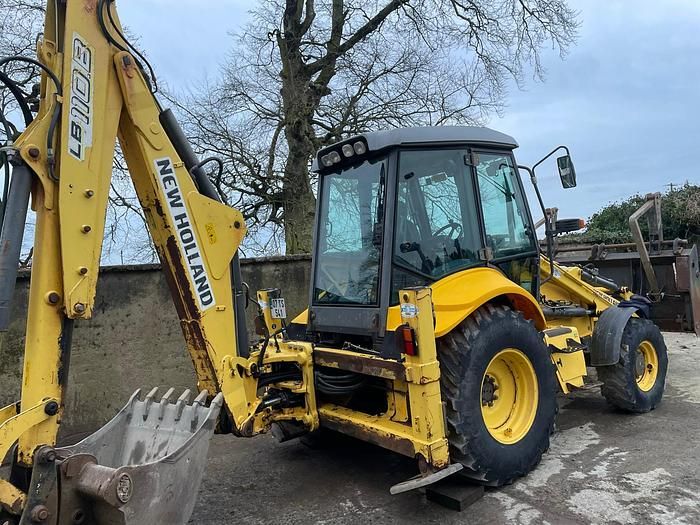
[(680, 211)]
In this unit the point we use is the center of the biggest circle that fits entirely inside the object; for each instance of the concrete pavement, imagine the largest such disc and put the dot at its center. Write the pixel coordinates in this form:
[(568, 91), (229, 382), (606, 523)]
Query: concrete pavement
[(603, 467)]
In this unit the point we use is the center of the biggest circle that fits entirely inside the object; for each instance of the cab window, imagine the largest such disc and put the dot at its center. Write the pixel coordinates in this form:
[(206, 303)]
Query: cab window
[(506, 222)]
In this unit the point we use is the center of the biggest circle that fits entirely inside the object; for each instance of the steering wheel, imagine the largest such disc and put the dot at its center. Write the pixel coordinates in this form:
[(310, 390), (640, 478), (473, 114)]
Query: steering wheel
[(454, 227)]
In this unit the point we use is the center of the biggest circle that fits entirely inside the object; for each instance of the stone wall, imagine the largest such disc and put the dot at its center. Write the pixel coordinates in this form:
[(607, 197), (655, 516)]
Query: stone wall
[(134, 338)]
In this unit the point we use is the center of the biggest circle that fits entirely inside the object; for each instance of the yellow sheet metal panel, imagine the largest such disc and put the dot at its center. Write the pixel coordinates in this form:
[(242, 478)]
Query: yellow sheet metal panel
[(92, 106), (458, 295), (423, 377), (570, 361), (221, 230), (571, 367), (302, 318)]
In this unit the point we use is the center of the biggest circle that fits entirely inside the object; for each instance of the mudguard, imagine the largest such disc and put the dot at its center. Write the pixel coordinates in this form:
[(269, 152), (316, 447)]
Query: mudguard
[(607, 335)]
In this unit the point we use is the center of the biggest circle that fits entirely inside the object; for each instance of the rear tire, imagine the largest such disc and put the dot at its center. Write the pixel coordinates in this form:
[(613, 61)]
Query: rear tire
[(636, 382), (497, 340)]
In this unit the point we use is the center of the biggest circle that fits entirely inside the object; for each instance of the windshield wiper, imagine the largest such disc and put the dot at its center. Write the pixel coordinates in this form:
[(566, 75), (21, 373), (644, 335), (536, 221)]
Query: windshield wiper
[(378, 226)]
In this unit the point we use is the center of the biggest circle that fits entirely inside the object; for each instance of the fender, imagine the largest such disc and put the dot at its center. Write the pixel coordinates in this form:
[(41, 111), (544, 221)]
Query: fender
[(459, 295), (607, 335)]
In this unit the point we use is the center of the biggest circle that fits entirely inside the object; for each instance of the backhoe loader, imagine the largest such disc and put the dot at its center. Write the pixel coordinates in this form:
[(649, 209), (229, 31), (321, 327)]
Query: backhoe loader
[(436, 327)]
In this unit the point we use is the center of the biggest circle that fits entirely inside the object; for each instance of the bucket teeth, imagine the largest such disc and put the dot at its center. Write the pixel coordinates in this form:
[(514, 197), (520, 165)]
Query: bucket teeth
[(182, 401), (201, 399), (168, 449), (164, 402), (148, 401)]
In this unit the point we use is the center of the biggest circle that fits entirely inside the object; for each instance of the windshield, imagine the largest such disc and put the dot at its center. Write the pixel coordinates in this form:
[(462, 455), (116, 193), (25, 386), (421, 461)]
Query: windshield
[(350, 235), (437, 231)]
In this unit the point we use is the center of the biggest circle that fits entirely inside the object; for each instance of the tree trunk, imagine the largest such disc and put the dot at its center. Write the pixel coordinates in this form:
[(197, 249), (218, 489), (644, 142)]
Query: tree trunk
[(299, 200)]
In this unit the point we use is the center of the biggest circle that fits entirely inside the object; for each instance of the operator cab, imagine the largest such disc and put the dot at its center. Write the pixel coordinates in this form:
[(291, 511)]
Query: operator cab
[(408, 207)]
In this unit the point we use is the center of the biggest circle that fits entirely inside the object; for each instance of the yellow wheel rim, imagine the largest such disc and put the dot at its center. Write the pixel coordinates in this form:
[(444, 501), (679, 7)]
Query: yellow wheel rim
[(509, 396), (646, 366)]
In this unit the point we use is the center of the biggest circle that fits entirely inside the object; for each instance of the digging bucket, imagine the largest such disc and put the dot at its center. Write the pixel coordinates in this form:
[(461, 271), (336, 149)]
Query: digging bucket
[(143, 467)]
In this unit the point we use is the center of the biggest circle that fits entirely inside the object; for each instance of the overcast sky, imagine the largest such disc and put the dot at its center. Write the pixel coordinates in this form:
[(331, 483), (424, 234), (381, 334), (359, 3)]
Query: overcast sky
[(626, 99)]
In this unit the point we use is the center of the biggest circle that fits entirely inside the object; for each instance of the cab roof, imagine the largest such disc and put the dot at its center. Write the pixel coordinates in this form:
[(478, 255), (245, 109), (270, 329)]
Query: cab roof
[(426, 135), (429, 134)]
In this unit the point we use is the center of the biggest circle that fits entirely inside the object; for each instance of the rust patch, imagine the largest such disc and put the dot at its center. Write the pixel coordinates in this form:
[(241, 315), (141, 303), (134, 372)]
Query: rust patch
[(402, 446), (197, 347), (64, 344), (159, 207), (90, 6), (181, 280), (385, 369)]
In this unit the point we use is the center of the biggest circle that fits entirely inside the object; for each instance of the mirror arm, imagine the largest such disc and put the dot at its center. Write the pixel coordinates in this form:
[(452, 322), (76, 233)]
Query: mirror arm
[(549, 155), (548, 232)]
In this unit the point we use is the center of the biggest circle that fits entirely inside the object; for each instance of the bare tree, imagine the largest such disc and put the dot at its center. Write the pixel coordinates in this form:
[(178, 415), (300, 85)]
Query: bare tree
[(305, 73)]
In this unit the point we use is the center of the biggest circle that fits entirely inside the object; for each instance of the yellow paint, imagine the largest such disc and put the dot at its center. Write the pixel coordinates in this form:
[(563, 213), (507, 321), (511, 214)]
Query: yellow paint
[(8, 412), (27, 421), (382, 428), (510, 410), (71, 215), (423, 377), (302, 318), (647, 379), (566, 285), (458, 295), (13, 499), (216, 221), (570, 365)]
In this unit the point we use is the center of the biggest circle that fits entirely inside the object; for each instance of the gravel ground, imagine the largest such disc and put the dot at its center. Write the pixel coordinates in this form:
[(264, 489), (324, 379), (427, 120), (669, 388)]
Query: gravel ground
[(603, 467)]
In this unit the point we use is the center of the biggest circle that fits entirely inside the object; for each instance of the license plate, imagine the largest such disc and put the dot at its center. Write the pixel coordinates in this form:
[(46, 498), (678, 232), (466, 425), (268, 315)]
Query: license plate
[(278, 310)]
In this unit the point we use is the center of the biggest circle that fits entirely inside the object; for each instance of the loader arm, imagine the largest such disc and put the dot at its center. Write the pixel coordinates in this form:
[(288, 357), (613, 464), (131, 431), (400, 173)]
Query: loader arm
[(94, 90)]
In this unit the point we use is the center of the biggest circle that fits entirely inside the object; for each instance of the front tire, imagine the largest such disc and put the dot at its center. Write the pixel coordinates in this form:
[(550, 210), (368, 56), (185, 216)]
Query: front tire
[(499, 386), (636, 383)]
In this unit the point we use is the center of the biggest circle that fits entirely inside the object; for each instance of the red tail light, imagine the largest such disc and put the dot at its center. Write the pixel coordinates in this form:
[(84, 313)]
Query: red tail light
[(407, 340)]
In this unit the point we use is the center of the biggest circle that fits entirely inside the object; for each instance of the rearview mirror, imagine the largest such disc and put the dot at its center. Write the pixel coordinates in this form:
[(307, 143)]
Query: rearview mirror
[(567, 173)]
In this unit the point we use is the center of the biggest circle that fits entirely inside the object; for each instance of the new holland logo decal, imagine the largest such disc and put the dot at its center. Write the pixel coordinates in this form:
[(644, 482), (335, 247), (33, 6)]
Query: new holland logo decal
[(186, 238)]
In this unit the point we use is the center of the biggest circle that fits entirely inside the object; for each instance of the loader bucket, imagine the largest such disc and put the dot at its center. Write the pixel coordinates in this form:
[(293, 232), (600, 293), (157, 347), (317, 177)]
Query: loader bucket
[(143, 467)]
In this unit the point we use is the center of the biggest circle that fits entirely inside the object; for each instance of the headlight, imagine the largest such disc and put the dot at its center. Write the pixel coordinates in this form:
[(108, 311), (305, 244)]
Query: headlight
[(348, 151), (326, 161), (334, 156), (359, 148)]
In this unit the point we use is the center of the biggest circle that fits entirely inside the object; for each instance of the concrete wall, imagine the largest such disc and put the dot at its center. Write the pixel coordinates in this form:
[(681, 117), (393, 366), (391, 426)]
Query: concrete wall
[(134, 339)]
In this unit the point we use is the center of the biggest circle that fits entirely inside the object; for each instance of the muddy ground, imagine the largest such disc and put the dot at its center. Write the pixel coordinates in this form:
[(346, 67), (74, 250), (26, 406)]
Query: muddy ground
[(603, 467)]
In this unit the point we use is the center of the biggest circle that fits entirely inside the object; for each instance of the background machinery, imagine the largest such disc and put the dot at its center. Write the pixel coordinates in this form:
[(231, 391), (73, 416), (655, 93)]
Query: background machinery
[(435, 327)]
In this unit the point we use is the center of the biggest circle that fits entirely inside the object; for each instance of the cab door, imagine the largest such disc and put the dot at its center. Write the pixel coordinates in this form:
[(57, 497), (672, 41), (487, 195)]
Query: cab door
[(509, 234)]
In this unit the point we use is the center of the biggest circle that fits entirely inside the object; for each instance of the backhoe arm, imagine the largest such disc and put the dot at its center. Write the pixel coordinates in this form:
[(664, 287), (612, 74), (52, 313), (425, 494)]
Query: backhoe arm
[(94, 90)]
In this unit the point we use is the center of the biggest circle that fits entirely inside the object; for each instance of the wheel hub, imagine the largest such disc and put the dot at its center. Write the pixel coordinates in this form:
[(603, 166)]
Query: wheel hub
[(509, 396), (646, 365), (488, 391)]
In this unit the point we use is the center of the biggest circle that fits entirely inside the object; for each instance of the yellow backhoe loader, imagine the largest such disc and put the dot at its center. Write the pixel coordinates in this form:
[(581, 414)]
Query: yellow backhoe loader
[(436, 328)]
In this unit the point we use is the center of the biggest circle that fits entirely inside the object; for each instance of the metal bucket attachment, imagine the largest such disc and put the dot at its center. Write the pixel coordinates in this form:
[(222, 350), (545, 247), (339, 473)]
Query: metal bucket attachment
[(143, 467)]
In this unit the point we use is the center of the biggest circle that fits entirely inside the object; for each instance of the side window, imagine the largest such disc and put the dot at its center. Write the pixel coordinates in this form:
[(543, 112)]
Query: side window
[(343, 226), (503, 206), (351, 213)]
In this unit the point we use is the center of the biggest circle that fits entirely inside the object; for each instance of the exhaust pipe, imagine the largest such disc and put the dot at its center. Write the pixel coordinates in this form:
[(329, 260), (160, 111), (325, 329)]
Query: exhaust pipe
[(11, 237)]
